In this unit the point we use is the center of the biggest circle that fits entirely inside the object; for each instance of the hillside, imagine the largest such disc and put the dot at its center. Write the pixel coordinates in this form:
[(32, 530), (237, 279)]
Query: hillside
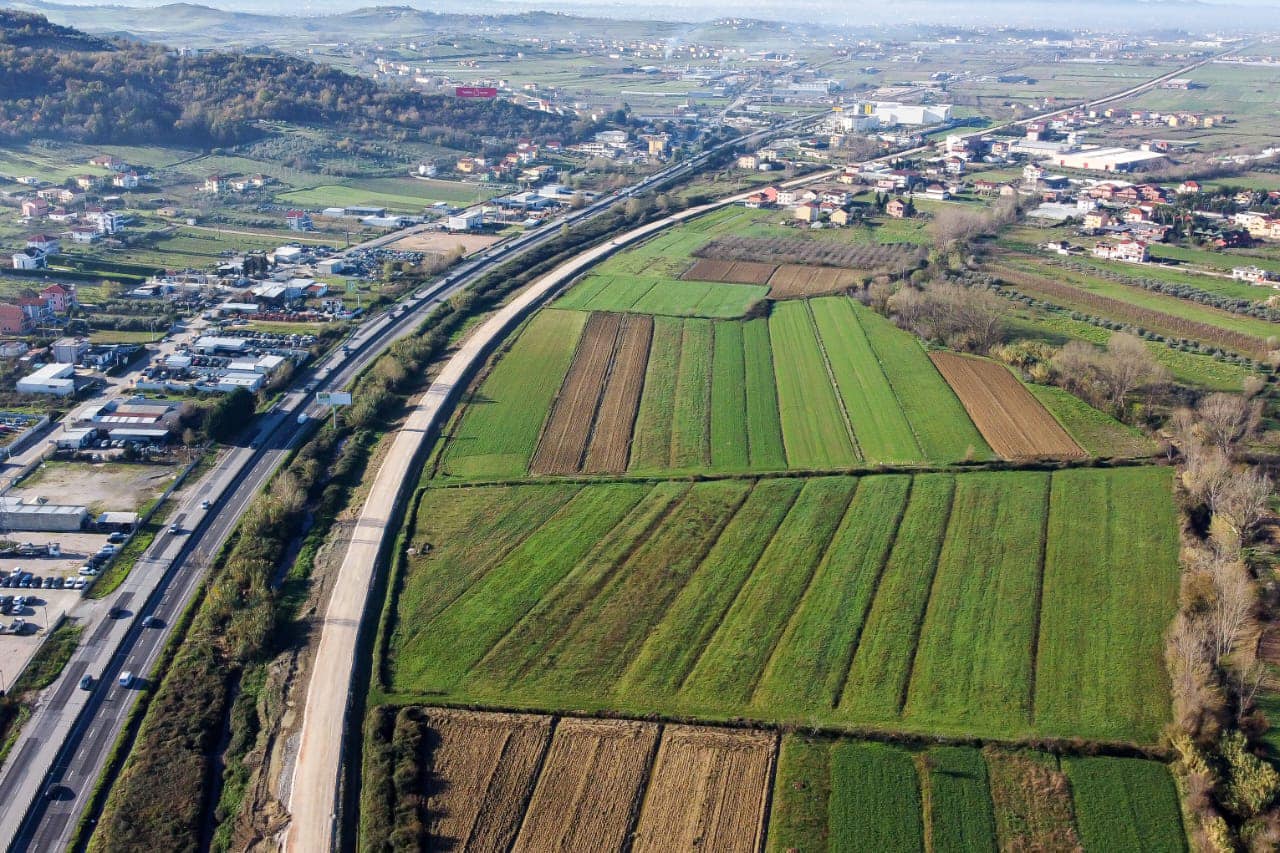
[(57, 81)]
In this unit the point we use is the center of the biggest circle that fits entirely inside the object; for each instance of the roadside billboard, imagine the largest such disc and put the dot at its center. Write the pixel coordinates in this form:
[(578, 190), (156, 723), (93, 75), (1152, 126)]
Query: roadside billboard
[(475, 92)]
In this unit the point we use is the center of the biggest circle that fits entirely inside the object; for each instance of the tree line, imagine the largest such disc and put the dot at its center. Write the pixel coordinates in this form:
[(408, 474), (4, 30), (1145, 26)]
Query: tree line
[(53, 84)]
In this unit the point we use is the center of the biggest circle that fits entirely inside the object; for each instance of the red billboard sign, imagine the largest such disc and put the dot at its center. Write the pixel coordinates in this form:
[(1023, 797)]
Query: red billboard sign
[(475, 92)]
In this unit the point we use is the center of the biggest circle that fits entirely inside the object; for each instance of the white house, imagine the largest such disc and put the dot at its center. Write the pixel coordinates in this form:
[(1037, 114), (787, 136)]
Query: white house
[(468, 220), (50, 379), (29, 259)]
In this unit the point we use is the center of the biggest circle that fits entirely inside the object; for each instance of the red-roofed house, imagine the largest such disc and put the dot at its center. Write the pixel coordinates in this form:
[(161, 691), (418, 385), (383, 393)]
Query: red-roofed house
[(60, 298), (35, 208), (12, 320)]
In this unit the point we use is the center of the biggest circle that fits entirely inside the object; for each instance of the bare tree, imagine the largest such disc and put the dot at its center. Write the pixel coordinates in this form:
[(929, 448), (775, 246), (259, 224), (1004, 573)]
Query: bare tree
[(1205, 468), (1129, 365), (1232, 608), (1241, 500), (1227, 419)]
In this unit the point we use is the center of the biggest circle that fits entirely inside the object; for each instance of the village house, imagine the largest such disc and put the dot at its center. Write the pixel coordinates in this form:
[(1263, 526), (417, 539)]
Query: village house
[(1096, 220), (46, 243), (61, 214), (125, 180), (1255, 275), (34, 208), (13, 321), (214, 184), (1136, 214), (60, 298), (1129, 251), (806, 212), (840, 216), (1188, 188), (29, 259), (896, 208)]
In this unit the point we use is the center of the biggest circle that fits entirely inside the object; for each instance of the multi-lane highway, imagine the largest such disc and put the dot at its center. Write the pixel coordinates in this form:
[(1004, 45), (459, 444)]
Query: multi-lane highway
[(63, 748), (65, 745)]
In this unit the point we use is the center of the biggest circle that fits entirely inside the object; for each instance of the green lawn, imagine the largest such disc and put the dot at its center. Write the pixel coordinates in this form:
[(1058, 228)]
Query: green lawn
[(798, 601), (500, 425)]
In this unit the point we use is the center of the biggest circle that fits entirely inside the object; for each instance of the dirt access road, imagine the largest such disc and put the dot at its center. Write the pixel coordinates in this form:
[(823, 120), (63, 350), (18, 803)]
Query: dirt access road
[(313, 793)]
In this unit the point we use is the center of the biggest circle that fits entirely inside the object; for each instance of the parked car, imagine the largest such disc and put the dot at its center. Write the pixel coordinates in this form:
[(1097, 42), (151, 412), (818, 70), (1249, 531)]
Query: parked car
[(117, 537)]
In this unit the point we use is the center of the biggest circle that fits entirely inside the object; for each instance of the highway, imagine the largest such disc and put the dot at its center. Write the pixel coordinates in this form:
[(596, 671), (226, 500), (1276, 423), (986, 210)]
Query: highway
[(65, 745), (68, 739)]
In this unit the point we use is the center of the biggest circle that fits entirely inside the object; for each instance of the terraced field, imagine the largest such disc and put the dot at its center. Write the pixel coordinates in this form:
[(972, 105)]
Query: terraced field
[(945, 604), (822, 384)]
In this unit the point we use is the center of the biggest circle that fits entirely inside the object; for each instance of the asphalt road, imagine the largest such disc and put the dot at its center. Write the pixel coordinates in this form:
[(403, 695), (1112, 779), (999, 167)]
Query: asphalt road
[(65, 745)]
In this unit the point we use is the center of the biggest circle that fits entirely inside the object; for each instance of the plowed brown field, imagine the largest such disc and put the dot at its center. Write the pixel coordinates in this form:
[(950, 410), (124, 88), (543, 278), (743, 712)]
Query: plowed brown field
[(1011, 420), (792, 281), (591, 782), (611, 438), (734, 272), (483, 768), (707, 791), (564, 438)]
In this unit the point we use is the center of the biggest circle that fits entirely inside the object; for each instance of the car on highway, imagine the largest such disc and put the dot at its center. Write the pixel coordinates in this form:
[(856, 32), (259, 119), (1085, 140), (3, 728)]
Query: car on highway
[(175, 528), (206, 504), (86, 683), (151, 622), (126, 679)]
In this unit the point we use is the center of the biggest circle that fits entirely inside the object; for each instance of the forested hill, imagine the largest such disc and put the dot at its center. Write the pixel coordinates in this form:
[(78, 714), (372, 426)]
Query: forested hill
[(57, 81)]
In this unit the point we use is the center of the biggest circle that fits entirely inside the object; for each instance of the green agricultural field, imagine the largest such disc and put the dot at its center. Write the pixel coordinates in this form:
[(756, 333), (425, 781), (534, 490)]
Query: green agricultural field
[(961, 816), (875, 799), (757, 395), (937, 419), (730, 436), (407, 195), (801, 602), (499, 426), (814, 426), (1110, 578), (1136, 296), (801, 796), (1097, 432), (649, 295), (975, 660), (838, 794), (1126, 804)]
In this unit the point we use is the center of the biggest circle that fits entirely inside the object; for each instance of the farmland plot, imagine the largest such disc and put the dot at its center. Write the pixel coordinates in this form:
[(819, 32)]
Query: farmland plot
[(792, 281), (976, 650), (500, 424), (482, 769), (815, 430), (799, 250), (653, 295), (611, 436), (590, 424), (940, 423), (875, 799), (732, 272), (901, 603), (1110, 580), (593, 767), (1009, 417), (879, 425), (764, 429), (959, 801), (564, 439), (1032, 800), (1126, 804), (708, 790)]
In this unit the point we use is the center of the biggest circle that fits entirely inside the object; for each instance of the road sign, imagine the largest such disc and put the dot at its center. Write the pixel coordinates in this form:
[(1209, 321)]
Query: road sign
[(333, 398)]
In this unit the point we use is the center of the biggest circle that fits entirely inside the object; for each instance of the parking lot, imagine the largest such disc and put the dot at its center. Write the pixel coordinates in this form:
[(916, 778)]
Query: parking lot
[(43, 606)]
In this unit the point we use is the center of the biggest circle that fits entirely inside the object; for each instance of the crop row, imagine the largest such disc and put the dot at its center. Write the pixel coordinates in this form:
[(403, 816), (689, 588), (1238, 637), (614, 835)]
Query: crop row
[(794, 250), (939, 603)]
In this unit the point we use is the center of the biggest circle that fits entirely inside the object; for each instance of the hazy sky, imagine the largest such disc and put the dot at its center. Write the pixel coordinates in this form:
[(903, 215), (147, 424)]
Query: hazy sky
[(1225, 13)]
